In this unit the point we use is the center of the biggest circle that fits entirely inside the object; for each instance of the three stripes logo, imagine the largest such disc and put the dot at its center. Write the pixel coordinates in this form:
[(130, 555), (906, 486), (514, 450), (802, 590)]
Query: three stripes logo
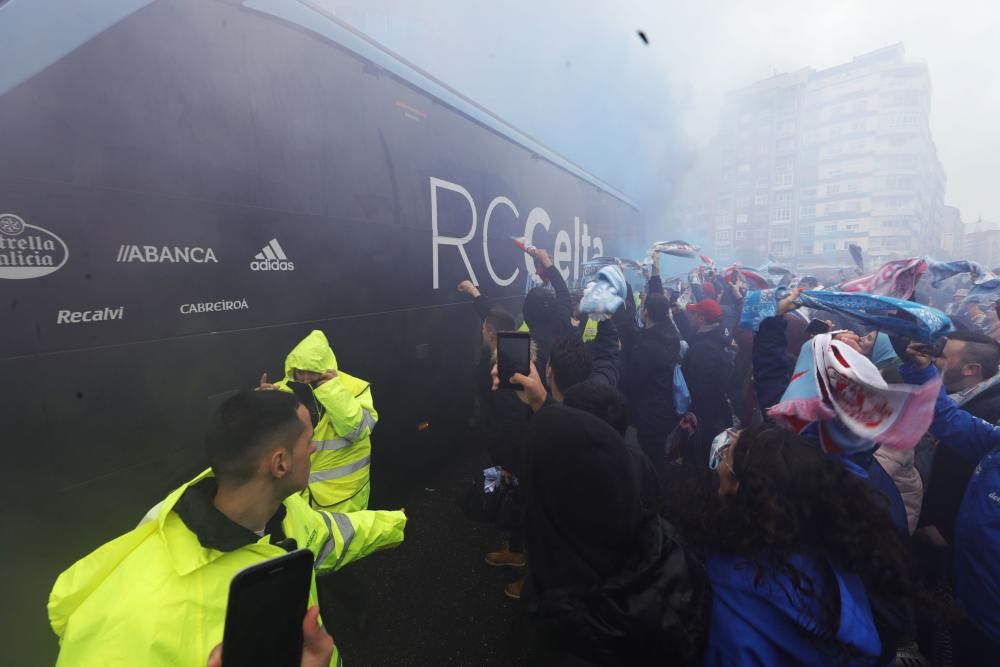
[(271, 258)]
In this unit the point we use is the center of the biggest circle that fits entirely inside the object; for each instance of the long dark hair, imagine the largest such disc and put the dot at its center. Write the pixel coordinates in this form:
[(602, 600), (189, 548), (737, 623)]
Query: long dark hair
[(795, 500)]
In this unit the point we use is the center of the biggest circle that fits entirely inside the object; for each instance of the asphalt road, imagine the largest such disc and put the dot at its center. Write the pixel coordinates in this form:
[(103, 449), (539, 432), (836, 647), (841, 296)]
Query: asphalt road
[(433, 600)]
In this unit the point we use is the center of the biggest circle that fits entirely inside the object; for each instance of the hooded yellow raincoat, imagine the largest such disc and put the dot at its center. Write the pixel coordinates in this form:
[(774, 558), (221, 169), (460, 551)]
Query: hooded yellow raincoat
[(156, 597), (341, 464)]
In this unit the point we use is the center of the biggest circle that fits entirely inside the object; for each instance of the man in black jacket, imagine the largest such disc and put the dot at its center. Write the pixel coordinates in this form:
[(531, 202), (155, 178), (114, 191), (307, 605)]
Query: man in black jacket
[(547, 312), (648, 374), (708, 366), (499, 420)]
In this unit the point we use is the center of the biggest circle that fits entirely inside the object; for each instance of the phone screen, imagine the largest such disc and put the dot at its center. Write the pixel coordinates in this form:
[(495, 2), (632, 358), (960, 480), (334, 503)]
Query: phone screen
[(513, 356), (267, 603)]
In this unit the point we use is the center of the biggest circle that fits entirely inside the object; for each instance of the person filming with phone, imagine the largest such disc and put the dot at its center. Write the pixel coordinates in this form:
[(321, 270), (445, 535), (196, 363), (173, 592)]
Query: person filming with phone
[(157, 594)]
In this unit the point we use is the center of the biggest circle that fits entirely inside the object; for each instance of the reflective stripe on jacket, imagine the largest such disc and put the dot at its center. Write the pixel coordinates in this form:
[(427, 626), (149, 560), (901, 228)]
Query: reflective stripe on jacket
[(155, 596), (341, 463)]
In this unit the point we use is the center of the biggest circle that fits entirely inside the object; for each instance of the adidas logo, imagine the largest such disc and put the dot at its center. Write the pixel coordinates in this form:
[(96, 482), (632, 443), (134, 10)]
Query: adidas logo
[(271, 258)]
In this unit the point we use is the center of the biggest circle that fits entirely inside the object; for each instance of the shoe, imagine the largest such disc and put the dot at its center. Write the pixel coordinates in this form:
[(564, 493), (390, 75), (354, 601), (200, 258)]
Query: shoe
[(513, 591), (506, 558)]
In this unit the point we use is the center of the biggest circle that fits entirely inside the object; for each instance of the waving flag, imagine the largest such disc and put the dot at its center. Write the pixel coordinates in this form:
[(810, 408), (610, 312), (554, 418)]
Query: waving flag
[(844, 392), (896, 279), (750, 277), (857, 256), (941, 271), (676, 248)]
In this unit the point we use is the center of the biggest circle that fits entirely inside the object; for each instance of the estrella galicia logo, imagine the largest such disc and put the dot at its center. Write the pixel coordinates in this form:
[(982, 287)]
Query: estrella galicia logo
[(28, 251)]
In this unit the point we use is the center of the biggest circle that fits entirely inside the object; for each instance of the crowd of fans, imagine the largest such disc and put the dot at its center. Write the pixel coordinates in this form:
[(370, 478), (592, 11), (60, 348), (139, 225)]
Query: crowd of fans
[(695, 486), (717, 471)]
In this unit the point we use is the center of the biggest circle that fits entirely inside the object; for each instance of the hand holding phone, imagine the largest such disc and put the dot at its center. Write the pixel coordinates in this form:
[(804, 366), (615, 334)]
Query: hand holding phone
[(264, 615), (513, 356)]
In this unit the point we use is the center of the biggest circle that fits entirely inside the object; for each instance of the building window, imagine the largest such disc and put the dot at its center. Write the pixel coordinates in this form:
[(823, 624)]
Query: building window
[(807, 211), (829, 246), (831, 208), (835, 148), (852, 206), (743, 168), (785, 145), (858, 126), (807, 193), (900, 202), (783, 206), (763, 182), (740, 234), (783, 176), (723, 235), (830, 228), (851, 228), (835, 130), (832, 189), (741, 218), (760, 199), (852, 186), (742, 201), (857, 146)]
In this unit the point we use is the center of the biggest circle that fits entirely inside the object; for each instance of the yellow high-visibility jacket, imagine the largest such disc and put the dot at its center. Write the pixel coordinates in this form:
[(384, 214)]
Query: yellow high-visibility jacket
[(340, 479), (156, 597)]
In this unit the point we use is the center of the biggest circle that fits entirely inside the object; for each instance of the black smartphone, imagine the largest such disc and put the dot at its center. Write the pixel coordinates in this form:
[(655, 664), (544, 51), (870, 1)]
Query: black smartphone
[(267, 603), (513, 356)]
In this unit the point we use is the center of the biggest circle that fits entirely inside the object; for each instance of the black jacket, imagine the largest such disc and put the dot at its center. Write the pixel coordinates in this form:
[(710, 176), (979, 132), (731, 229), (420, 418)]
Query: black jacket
[(950, 472), (648, 380), (609, 577), (708, 366), (500, 419), (560, 324)]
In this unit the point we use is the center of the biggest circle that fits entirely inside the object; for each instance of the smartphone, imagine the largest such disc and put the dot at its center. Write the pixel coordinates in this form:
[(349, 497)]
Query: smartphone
[(513, 356), (267, 603)]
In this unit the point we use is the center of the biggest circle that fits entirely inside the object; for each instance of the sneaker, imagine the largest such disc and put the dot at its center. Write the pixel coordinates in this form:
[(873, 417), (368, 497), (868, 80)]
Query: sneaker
[(513, 591), (506, 558)]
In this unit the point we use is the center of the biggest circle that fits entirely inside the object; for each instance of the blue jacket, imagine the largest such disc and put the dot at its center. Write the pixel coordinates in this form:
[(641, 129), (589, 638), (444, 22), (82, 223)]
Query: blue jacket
[(770, 624), (977, 527)]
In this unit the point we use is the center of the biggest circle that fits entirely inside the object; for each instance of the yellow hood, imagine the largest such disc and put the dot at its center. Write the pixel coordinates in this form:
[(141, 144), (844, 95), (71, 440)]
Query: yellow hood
[(312, 354)]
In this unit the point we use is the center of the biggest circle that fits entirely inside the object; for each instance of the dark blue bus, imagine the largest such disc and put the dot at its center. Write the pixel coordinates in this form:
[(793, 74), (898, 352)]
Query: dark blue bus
[(187, 187)]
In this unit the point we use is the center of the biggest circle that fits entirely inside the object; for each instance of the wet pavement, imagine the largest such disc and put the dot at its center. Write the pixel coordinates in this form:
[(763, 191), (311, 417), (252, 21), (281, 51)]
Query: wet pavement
[(432, 601)]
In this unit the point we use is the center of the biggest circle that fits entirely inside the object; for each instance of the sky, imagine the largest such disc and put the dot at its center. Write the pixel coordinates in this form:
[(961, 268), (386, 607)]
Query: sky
[(576, 76)]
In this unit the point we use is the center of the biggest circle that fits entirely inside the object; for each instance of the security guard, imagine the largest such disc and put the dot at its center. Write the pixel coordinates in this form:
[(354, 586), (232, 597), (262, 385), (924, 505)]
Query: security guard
[(343, 414), (156, 596)]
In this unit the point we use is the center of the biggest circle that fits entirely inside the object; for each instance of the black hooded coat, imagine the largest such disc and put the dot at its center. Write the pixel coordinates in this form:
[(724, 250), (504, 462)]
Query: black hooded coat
[(609, 577)]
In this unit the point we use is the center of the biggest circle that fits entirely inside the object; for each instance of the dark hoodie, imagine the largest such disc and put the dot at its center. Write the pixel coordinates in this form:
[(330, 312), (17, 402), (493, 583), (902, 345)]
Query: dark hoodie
[(547, 314), (609, 578)]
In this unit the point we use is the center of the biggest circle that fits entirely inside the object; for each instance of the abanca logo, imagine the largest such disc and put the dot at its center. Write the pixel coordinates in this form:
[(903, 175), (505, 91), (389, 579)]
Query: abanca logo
[(27, 251), (271, 258)]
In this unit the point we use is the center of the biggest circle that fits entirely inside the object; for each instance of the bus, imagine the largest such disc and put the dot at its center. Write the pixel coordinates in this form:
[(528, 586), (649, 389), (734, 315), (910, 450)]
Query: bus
[(187, 188)]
